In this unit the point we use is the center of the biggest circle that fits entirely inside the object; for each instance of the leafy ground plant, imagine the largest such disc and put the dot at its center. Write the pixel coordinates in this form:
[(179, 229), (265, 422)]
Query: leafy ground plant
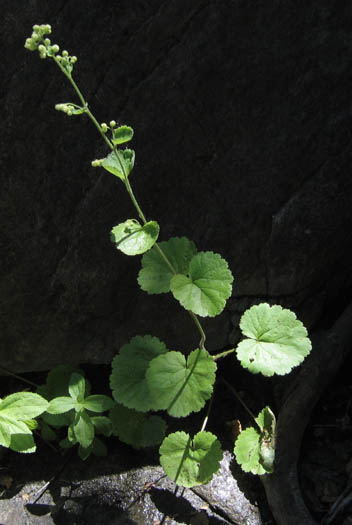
[(146, 376)]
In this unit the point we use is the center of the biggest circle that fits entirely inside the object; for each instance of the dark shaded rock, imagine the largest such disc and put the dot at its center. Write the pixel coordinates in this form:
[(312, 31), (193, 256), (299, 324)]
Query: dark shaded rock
[(242, 121)]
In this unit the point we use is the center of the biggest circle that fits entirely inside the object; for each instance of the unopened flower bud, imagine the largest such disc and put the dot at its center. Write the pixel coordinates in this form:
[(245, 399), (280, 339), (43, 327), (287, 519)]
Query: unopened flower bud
[(55, 48), (65, 53), (112, 123), (36, 28), (104, 127), (69, 112), (74, 59)]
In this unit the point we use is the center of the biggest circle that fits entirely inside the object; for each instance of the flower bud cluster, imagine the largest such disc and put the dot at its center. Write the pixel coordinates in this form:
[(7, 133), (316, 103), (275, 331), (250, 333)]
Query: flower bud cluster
[(97, 163), (66, 60), (46, 49), (105, 127), (37, 37), (66, 108)]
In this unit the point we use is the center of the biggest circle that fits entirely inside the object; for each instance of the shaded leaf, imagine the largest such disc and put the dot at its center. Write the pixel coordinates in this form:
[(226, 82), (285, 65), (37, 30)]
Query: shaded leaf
[(127, 379), (137, 428), (155, 275), (190, 462)]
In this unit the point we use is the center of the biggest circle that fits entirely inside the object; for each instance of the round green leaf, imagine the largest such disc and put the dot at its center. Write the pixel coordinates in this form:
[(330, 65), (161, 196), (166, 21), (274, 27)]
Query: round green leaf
[(190, 462), (178, 386), (277, 340), (120, 163), (127, 379), (155, 275), (122, 134), (137, 428), (208, 286), (132, 238)]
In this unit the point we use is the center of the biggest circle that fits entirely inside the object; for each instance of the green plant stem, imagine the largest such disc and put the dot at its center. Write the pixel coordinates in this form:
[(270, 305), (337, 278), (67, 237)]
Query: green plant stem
[(9, 373), (223, 354), (127, 185), (207, 416), (230, 387)]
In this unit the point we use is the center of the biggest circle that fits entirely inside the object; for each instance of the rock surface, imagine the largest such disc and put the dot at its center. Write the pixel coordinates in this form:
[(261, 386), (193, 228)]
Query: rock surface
[(90, 494), (242, 118)]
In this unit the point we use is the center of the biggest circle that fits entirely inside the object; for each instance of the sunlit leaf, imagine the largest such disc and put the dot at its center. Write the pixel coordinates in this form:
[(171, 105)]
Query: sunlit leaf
[(207, 287), (181, 386), (277, 340), (122, 134), (132, 238), (120, 163)]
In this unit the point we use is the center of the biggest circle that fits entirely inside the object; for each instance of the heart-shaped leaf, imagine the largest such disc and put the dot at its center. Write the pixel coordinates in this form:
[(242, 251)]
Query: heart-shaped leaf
[(178, 386), (208, 286)]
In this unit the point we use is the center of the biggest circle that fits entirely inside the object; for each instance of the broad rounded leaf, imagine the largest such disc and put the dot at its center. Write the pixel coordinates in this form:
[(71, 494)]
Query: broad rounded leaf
[(155, 275), (247, 451), (132, 238), (208, 286), (120, 163), (98, 403), (277, 340), (23, 405), (137, 428), (178, 386), (127, 379), (190, 462), (121, 135)]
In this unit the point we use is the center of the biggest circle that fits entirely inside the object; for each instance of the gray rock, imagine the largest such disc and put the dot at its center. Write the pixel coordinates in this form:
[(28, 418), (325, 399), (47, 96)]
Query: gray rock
[(84, 494)]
